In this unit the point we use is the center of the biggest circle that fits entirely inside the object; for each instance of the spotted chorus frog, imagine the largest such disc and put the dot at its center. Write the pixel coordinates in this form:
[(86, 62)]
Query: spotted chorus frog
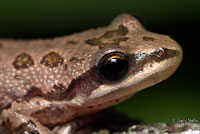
[(46, 83)]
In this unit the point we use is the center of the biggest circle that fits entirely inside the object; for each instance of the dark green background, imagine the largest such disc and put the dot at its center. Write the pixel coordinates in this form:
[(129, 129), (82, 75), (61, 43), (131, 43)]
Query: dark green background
[(176, 97)]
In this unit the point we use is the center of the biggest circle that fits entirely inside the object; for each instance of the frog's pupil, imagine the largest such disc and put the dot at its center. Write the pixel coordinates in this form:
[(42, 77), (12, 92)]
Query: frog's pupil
[(115, 67), (112, 67)]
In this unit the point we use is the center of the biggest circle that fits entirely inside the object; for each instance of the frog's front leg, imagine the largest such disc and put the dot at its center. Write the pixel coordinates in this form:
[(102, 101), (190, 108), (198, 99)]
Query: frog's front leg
[(29, 116), (17, 116)]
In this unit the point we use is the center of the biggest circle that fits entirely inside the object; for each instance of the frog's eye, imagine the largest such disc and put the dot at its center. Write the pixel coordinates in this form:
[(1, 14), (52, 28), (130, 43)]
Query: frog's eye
[(113, 66)]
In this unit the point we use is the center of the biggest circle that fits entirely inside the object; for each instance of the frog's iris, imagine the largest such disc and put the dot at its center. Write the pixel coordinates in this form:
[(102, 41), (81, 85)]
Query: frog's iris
[(113, 66)]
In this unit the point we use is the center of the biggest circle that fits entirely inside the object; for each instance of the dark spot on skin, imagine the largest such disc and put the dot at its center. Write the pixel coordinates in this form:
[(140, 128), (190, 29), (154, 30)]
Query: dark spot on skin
[(72, 42), (27, 82), (8, 106), (84, 84), (75, 116), (3, 124), (7, 124), (120, 39), (74, 59), (26, 128), (33, 92), (139, 60), (113, 37), (59, 92), (121, 31), (99, 105), (23, 61), (115, 42), (18, 101), (18, 77), (90, 107), (65, 67), (147, 38), (52, 59), (38, 103), (1, 45)]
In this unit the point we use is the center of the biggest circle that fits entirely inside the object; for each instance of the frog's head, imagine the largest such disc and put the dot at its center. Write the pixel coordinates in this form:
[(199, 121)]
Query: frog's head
[(129, 60)]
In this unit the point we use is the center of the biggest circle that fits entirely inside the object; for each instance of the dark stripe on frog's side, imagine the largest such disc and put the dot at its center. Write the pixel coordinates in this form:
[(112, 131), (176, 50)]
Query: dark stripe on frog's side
[(33, 92), (84, 84), (113, 37), (89, 81), (59, 92)]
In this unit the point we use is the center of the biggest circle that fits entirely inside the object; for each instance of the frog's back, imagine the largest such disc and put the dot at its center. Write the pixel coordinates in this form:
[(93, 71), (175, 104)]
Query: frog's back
[(45, 64)]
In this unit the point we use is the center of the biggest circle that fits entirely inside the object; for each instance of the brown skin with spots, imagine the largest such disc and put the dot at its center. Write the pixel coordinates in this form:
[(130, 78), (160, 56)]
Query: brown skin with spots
[(52, 60), (53, 81), (23, 60), (113, 37)]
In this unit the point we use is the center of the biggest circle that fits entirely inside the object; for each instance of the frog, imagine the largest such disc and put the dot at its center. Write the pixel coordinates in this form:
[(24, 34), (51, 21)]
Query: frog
[(54, 85)]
